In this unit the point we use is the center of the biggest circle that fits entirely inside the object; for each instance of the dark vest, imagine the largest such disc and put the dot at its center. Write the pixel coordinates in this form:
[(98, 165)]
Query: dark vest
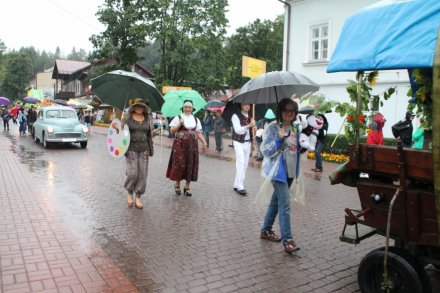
[(243, 121)]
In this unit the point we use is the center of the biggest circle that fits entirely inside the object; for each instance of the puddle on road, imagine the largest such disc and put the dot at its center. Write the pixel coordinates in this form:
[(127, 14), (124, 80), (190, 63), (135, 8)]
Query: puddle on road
[(76, 213), (72, 208)]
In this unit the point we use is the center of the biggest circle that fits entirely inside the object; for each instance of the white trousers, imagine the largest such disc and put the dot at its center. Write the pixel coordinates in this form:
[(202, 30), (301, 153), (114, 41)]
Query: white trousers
[(242, 153)]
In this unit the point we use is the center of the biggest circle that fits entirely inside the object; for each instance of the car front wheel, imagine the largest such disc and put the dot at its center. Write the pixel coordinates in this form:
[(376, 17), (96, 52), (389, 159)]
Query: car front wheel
[(37, 140), (46, 144), (83, 144)]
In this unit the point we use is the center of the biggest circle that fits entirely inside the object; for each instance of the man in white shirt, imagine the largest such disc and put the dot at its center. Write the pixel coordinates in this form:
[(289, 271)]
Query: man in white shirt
[(242, 139)]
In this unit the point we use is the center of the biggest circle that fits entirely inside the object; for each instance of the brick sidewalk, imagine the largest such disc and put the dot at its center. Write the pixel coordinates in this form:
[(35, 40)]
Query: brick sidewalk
[(38, 250)]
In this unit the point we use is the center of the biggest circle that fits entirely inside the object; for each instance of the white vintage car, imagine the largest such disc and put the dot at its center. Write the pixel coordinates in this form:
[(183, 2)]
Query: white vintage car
[(59, 125)]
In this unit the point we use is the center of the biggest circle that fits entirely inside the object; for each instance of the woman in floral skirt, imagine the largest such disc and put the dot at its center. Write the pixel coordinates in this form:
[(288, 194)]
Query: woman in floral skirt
[(184, 159)]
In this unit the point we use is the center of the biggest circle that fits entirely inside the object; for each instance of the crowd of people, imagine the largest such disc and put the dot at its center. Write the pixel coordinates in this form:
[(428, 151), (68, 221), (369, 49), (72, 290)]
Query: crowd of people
[(278, 146), (20, 115), (25, 117)]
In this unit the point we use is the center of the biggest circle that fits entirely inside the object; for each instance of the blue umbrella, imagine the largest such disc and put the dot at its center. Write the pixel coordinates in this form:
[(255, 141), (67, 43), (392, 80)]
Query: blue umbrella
[(390, 34), (31, 100)]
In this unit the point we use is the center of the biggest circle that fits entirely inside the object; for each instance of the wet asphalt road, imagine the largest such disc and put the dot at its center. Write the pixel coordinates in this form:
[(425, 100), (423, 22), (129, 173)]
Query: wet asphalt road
[(206, 242)]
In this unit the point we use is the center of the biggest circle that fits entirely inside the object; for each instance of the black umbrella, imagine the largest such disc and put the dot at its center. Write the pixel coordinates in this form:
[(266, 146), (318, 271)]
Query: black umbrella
[(274, 86), (61, 102), (234, 108), (214, 104), (117, 88)]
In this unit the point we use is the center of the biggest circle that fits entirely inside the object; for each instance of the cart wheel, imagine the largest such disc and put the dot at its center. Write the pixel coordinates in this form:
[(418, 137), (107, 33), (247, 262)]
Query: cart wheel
[(402, 277), (423, 275)]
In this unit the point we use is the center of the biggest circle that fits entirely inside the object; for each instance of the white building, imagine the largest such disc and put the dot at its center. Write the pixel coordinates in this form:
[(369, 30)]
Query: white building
[(309, 41)]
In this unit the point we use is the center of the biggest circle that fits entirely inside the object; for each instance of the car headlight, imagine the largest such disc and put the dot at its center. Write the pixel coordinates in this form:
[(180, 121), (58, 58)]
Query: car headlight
[(85, 130), (50, 129)]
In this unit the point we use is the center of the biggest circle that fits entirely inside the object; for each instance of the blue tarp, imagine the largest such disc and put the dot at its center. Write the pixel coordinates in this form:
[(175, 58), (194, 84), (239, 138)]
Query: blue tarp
[(390, 34)]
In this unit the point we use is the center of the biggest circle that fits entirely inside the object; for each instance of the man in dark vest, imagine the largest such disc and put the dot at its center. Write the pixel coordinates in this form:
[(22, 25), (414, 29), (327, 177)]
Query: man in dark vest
[(242, 139)]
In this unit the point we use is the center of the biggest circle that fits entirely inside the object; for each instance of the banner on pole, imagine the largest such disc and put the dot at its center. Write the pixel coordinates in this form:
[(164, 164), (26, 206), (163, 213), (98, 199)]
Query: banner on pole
[(252, 67), (167, 88)]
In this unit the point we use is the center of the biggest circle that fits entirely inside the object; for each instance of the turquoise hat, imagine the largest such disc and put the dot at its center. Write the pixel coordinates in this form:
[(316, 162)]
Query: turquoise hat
[(269, 114)]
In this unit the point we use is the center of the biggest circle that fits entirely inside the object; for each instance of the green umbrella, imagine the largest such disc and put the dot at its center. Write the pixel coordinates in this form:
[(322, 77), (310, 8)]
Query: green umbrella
[(174, 102), (120, 88)]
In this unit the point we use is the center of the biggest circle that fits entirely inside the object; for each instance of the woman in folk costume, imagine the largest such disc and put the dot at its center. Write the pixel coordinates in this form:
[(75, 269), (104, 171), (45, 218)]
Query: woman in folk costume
[(242, 139), (184, 159), (139, 122), (280, 167)]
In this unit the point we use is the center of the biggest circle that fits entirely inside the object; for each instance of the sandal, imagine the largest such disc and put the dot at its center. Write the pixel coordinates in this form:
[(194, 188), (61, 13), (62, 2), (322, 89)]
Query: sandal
[(270, 235), (130, 201), (140, 205), (290, 246), (186, 191), (177, 189)]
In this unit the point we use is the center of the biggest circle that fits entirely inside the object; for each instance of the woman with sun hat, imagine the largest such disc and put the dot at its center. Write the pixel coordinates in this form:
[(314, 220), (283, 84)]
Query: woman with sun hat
[(139, 122)]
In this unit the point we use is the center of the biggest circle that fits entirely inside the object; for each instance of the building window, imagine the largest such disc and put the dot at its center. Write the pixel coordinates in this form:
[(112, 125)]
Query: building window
[(319, 42)]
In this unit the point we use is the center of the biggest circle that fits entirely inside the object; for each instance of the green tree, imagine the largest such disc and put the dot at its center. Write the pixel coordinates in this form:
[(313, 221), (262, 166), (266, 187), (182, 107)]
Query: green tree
[(46, 60), (125, 32), (80, 55), (57, 54), (150, 56), (2, 47), (260, 39), (34, 55), (18, 72), (190, 34)]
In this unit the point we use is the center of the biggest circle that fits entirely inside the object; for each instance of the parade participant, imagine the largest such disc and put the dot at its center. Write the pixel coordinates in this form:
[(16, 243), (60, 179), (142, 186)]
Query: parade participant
[(419, 136), (242, 138), (219, 129), (403, 130), (280, 150), (184, 159), (88, 119), (139, 122), (6, 115), (320, 142), (22, 120), (207, 125), (32, 117)]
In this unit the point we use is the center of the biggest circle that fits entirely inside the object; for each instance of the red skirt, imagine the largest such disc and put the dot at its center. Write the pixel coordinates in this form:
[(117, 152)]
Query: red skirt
[(184, 159)]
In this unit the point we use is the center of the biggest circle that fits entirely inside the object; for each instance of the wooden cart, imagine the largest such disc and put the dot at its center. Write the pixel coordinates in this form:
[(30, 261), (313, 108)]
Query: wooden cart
[(399, 191)]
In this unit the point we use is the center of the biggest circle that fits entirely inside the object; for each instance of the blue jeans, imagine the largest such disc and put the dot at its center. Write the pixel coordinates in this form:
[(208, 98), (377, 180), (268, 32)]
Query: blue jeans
[(206, 134), (318, 150), (279, 204), (22, 127)]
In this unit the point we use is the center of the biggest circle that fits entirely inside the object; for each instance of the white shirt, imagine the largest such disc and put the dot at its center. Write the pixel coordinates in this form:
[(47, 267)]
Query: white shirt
[(188, 122), (240, 130)]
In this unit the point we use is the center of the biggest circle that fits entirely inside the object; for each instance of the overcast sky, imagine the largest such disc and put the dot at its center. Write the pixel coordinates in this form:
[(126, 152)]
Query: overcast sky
[(46, 24)]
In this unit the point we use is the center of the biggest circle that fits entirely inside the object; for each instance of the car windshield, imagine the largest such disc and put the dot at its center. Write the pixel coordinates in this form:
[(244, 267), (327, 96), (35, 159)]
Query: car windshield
[(60, 114)]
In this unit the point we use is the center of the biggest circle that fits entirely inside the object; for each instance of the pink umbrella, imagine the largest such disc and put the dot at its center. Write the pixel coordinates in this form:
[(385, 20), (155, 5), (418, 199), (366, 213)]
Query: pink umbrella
[(217, 109)]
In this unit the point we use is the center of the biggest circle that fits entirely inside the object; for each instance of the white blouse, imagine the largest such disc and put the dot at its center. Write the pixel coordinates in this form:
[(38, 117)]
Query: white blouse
[(188, 122)]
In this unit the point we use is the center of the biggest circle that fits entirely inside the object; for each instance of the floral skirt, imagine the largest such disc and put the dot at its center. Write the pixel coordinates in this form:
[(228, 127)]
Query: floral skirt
[(184, 159)]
